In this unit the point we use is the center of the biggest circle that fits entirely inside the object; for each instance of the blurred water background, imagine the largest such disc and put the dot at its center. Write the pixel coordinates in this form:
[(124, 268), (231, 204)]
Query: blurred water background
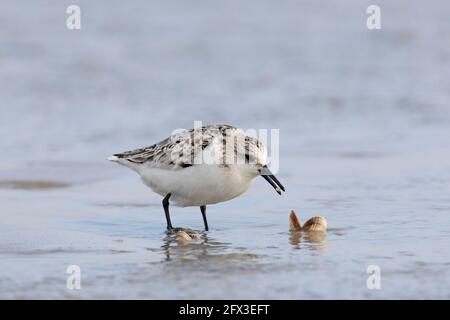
[(364, 120)]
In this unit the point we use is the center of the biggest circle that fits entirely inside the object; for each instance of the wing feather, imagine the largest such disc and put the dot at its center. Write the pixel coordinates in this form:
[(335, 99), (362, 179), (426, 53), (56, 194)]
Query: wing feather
[(179, 150)]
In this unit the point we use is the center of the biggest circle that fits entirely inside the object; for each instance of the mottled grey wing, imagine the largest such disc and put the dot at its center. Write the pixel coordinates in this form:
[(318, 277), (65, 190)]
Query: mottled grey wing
[(175, 152), (137, 155)]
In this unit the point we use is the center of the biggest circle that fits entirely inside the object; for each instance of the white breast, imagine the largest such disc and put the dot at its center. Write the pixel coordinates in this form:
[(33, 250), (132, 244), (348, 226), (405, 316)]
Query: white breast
[(197, 185)]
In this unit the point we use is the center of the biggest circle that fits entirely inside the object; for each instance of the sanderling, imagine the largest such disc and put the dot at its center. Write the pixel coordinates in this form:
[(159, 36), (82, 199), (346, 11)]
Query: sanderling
[(201, 166)]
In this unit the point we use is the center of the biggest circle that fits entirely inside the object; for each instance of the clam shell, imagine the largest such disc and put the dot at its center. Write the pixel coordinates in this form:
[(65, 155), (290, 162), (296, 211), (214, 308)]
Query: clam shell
[(194, 235), (294, 222), (317, 223), (186, 235), (183, 236)]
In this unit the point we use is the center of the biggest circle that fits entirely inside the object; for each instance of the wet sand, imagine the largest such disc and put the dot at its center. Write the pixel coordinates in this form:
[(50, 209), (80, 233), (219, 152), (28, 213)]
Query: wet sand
[(113, 228)]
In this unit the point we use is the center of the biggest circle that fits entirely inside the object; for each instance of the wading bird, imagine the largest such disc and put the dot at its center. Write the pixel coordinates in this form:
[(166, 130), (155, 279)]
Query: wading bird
[(201, 166)]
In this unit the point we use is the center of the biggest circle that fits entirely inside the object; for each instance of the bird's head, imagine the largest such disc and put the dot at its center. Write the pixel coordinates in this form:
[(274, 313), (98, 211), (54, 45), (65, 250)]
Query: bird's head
[(253, 158)]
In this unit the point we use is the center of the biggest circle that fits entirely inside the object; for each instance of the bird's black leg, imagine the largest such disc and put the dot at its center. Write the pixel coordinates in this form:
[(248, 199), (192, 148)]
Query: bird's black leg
[(165, 204), (203, 210)]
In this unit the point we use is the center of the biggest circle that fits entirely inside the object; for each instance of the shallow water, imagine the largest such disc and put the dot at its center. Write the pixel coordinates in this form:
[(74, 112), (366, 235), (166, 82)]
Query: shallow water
[(364, 122)]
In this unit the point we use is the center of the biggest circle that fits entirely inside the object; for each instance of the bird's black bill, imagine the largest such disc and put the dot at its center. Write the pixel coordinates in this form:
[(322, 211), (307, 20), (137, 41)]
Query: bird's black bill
[(266, 174)]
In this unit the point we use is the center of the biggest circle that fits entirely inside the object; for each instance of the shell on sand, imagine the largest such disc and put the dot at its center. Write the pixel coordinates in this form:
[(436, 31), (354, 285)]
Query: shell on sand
[(186, 235), (183, 236), (317, 223)]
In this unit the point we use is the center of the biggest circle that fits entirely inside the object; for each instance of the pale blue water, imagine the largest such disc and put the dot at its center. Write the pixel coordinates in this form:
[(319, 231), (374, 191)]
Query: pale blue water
[(364, 120)]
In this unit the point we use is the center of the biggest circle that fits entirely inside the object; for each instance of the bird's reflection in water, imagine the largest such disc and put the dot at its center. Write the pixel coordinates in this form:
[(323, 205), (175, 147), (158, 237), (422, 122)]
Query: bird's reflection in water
[(313, 240)]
